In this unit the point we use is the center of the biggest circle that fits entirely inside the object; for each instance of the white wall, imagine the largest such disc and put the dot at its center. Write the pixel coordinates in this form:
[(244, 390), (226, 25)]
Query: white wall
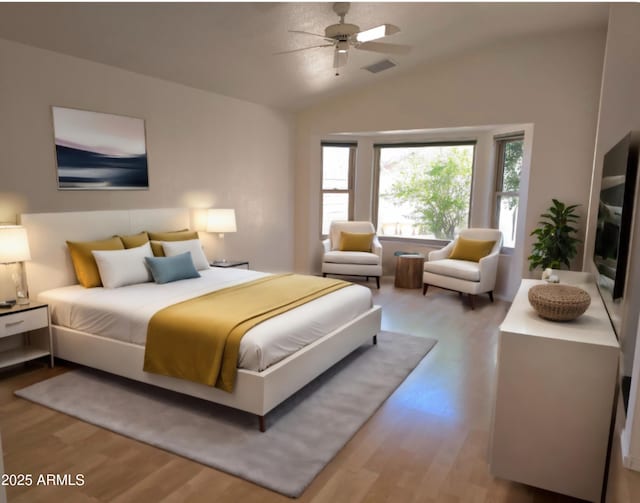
[(552, 82), (204, 150), (619, 113)]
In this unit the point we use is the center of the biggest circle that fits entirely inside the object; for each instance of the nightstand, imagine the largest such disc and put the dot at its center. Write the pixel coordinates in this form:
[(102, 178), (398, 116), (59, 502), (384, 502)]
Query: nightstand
[(25, 334), (229, 263)]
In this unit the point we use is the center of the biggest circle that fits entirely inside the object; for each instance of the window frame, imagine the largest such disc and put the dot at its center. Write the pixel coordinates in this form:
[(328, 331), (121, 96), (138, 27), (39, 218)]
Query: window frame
[(500, 142), (376, 184), (353, 147)]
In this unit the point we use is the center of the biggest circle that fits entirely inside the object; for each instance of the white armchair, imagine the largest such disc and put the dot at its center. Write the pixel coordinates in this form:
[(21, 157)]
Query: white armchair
[(464, 276), (351, 263)]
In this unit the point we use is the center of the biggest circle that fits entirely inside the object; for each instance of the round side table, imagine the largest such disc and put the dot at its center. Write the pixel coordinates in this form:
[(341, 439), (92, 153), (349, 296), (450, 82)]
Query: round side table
[(409, 271)]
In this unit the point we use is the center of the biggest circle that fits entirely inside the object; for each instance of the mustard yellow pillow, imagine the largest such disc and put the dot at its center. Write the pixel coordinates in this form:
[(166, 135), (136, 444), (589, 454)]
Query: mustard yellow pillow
[(471, 249), (183, 235), (83, 262), (355, 241), (134, 240)]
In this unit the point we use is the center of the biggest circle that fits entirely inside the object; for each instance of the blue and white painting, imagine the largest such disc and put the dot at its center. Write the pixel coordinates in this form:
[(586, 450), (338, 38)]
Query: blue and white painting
[(98, 151)]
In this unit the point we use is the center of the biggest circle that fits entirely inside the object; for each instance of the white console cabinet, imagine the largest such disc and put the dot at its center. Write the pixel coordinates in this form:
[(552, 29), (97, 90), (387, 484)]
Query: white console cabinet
[(554, 396)]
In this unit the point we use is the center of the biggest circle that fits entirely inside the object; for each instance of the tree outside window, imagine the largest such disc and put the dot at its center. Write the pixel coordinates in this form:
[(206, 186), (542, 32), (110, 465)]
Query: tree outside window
[(509, 167), (424, 190)]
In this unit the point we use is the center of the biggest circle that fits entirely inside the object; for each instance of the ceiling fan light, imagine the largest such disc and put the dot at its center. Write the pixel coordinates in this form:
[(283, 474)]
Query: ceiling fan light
[(340, 58), (342, 47), (378, 32)]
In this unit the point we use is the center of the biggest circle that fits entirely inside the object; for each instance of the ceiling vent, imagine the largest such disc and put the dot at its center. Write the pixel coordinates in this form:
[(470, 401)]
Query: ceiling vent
[(380, 66)]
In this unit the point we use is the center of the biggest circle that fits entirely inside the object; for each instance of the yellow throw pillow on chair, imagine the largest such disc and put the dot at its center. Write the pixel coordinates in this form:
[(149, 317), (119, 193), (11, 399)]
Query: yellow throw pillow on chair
[(471, 249), (355, 241)]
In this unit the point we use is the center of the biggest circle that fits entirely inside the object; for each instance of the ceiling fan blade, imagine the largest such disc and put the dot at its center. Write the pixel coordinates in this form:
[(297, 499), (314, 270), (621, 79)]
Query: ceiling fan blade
[(340, 58), (384, 47), (384, 30), (303, 49), (309, 33)]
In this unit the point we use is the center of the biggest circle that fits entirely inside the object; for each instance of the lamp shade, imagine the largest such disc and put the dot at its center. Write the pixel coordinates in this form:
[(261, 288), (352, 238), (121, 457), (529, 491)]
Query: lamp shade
[(14, 245), (221, 220)]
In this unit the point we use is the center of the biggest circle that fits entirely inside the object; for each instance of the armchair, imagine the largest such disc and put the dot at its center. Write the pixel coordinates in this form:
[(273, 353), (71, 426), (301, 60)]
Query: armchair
[(351, 263), (464, 276)]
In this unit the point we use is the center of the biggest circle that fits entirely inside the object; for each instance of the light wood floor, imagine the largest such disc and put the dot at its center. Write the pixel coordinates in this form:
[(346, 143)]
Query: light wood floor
[(427, 443)]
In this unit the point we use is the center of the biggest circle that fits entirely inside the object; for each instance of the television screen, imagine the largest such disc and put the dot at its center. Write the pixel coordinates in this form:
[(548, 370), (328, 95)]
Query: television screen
[(615, 212)]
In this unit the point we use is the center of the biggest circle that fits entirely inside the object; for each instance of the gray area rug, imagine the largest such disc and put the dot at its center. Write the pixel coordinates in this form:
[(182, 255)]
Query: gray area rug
[(303, 433)]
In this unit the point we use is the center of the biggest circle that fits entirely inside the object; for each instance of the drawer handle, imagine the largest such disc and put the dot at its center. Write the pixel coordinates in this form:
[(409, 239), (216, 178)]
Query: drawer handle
[(13, 323)]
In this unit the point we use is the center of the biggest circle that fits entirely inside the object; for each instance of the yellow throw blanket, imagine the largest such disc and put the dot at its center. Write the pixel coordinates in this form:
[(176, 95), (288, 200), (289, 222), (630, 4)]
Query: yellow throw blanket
[(199, 339)]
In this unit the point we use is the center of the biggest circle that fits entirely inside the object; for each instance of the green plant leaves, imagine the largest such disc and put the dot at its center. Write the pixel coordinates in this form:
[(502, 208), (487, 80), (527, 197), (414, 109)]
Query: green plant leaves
[(556, 245)]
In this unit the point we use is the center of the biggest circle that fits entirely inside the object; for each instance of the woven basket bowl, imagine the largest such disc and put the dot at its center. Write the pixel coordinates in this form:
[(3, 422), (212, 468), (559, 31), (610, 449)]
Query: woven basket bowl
[(559, 302)]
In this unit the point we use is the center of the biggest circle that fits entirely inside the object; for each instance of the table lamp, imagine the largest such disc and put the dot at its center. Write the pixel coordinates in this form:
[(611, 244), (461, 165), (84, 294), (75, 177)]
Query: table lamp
[(14, 249), (221, 221)]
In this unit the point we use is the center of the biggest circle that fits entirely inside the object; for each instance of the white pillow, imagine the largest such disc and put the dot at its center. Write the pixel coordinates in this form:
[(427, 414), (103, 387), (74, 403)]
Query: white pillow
[(193, 246), (123, 267)]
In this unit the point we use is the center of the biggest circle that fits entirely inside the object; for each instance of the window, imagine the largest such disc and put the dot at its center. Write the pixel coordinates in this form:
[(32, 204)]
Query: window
[(509, 165), (424, 190), (338, 161)]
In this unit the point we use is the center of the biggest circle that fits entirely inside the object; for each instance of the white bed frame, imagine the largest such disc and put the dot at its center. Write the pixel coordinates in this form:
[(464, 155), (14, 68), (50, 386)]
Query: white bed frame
[(255, 392)]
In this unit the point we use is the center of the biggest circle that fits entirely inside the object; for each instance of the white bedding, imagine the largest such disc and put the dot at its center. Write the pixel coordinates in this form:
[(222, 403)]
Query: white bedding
[(124, 313)]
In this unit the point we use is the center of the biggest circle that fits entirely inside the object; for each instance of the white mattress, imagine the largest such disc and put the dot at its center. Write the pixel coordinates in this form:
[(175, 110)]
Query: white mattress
[(124, 313)]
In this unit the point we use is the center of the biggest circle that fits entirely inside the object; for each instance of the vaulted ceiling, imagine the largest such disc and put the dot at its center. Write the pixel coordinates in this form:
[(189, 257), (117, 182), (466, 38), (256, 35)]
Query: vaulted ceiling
[(228, 48)]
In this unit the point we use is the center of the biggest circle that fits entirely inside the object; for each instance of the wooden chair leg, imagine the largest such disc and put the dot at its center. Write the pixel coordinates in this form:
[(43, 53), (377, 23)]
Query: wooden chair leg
[(324, 274), (471, 301), (261, 424), (491, 295), (378, 282), (424, 289)]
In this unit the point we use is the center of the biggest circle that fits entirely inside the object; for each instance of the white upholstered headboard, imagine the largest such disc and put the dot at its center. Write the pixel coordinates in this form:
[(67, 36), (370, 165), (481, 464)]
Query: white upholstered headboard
[(50, 265)]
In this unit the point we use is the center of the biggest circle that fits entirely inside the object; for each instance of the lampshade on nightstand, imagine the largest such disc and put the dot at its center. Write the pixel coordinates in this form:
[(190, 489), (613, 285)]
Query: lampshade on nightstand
[(14, 249), (221, 221), (14, 245)]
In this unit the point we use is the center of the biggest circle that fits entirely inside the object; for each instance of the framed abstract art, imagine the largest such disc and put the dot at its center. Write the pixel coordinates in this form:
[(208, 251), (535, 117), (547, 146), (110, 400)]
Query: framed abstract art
[(99, 151)]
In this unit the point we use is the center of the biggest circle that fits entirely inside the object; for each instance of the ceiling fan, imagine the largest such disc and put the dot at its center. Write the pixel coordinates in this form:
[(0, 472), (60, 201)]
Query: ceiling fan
[(344, 36)]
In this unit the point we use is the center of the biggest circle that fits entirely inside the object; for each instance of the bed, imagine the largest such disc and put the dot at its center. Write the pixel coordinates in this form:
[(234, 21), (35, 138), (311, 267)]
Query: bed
[(264, 379)]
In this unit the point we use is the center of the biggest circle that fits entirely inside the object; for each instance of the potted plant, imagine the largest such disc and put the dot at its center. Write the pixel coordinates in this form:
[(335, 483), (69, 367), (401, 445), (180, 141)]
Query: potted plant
[(556, 244)]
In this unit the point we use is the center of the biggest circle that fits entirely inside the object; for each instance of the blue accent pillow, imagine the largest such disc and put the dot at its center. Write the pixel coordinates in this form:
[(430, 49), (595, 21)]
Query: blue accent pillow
[(168, 269)]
